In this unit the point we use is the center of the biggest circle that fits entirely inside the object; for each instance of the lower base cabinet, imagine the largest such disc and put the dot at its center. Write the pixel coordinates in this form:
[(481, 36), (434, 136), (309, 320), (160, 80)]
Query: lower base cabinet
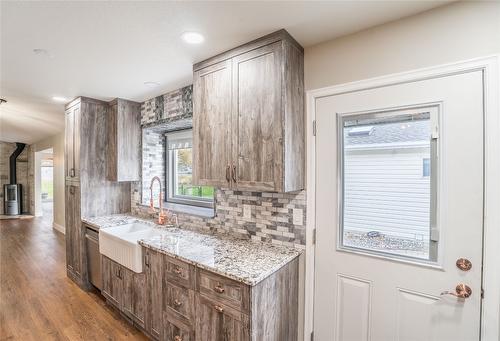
[(125, 290), (172, 300), (217, 322)]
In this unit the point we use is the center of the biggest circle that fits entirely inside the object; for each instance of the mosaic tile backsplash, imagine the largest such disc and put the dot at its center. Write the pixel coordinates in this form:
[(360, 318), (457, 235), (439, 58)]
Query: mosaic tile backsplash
[(278, 218)]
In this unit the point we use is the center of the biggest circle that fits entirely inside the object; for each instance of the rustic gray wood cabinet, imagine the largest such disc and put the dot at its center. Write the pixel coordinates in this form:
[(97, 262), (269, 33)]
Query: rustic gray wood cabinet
[(153, 268), (87, 192), (181, 302), (124, 289), (248, 117), (73, 233), (124, 133), (72, 141)]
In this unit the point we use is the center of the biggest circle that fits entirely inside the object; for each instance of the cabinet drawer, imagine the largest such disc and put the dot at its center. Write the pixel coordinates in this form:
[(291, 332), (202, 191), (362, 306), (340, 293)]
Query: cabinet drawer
[(224, 290), (179, 272), (179, 300), (176, 330)]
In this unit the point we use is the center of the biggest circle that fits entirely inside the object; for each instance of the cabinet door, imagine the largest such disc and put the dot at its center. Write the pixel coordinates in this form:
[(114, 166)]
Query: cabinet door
[(78, 237), (72, 142), (216, 322), (134, 296), (257, 145), (69, 143), (124, 138), (70, 226), (76, 143), (212, 125), (112, 285), (154, 275), (73, 232)]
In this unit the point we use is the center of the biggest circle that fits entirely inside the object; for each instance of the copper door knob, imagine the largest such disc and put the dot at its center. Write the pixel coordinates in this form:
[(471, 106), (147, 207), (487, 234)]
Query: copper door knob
[(461, 291)]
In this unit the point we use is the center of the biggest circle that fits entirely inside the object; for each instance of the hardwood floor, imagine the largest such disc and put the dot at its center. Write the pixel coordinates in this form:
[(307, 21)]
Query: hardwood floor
[(38, 301)]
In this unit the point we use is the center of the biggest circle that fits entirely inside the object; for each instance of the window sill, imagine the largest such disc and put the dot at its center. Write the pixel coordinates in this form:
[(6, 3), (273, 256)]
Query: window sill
[(204, 212)]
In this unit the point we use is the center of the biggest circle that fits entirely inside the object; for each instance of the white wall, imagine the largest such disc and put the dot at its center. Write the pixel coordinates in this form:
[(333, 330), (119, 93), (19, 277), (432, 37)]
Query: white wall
[(455, 32), (57, 143)]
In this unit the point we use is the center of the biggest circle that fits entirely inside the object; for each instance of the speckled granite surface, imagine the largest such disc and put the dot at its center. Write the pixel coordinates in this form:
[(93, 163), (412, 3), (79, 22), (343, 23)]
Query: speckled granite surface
[(243, 260)]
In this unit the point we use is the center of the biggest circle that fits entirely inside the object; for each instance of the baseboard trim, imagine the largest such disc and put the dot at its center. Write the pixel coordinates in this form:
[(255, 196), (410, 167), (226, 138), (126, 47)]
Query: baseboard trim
[(59, 228)]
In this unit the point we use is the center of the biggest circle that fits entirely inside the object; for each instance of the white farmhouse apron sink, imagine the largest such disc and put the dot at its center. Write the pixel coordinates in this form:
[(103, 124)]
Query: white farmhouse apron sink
[(120, 243)]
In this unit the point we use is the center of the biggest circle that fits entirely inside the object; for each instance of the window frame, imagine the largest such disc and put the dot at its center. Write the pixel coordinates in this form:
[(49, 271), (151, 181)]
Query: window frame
[(170, 175), (435, 246)]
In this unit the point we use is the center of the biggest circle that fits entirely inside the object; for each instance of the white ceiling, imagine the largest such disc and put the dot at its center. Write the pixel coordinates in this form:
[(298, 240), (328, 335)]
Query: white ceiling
[(109, 49)]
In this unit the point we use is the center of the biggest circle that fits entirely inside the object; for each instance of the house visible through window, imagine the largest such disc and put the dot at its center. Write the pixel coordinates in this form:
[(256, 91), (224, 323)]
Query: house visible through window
[(388, 196), (180, 188)]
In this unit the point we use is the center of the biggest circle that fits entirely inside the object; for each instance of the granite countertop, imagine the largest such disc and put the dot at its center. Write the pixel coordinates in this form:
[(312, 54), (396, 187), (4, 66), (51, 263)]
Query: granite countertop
[(243, 260)]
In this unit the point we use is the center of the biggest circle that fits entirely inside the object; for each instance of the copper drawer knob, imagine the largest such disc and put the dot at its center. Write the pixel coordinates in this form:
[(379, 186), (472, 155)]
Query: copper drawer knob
[(177, 338), (177, 270), (177, 303), (219, 309), (218, 288)]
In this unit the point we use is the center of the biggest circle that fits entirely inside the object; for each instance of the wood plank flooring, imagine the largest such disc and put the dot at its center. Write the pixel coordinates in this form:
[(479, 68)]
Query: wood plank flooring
[(38, 301)]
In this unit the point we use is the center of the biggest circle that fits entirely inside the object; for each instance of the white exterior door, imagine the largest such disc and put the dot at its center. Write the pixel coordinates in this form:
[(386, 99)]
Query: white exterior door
[(399, 199)]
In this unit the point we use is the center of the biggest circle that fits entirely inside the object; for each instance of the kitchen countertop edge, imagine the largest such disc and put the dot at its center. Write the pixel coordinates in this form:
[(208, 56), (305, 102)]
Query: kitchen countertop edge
[(127, 218)]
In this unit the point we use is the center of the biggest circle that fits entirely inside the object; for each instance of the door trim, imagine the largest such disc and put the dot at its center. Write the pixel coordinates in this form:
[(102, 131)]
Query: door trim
[(489, 65)]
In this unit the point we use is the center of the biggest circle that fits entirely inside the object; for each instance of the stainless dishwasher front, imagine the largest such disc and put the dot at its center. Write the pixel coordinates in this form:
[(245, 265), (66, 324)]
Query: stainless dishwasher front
[(93, 256)]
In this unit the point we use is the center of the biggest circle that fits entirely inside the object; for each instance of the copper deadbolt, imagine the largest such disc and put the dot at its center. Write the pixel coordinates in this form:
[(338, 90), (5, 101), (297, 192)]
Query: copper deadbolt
[(464, 264)]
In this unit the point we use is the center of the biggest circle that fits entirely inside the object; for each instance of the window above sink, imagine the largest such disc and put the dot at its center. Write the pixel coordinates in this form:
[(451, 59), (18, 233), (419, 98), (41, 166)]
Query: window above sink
[(179, 172)]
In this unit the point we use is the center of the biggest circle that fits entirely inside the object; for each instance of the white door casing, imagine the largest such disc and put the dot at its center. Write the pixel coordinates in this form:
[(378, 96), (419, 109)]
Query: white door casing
[(360, 297)]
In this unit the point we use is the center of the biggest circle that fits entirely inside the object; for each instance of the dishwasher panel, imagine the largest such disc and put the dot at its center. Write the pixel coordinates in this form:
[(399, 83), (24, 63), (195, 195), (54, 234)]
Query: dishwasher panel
[(93, 257)]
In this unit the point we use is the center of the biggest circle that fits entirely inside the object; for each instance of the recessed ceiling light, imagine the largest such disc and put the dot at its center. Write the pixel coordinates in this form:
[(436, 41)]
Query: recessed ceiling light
[(151, 84), (192, 37), (59, 99)]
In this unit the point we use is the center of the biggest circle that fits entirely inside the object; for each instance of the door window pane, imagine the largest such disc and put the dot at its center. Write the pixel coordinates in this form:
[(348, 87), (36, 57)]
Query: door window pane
[(387, 188)]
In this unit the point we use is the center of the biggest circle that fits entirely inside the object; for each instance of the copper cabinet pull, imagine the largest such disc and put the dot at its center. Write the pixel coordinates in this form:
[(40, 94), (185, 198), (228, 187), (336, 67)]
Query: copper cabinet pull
[(177, 338), (177, 270), (218, 288), (218, 308), (234, 174), (228, 170), (461, 291), (177, 303)]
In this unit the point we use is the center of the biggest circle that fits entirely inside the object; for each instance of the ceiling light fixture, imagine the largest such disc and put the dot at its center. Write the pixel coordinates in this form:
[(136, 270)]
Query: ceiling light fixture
[(192, 37), (151, 84), (59, 99)]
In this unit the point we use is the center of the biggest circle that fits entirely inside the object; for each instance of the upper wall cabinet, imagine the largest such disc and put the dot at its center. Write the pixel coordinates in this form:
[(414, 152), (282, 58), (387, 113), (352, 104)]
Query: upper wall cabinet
[(248, 117), (124, 133)]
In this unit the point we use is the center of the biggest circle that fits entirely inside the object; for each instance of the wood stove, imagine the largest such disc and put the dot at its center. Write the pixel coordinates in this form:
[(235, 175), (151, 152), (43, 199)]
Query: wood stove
[(13, 192)]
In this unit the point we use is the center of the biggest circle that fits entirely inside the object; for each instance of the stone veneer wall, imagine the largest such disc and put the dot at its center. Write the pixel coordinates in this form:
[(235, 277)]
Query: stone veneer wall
[(260, 216), (6, 149)]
